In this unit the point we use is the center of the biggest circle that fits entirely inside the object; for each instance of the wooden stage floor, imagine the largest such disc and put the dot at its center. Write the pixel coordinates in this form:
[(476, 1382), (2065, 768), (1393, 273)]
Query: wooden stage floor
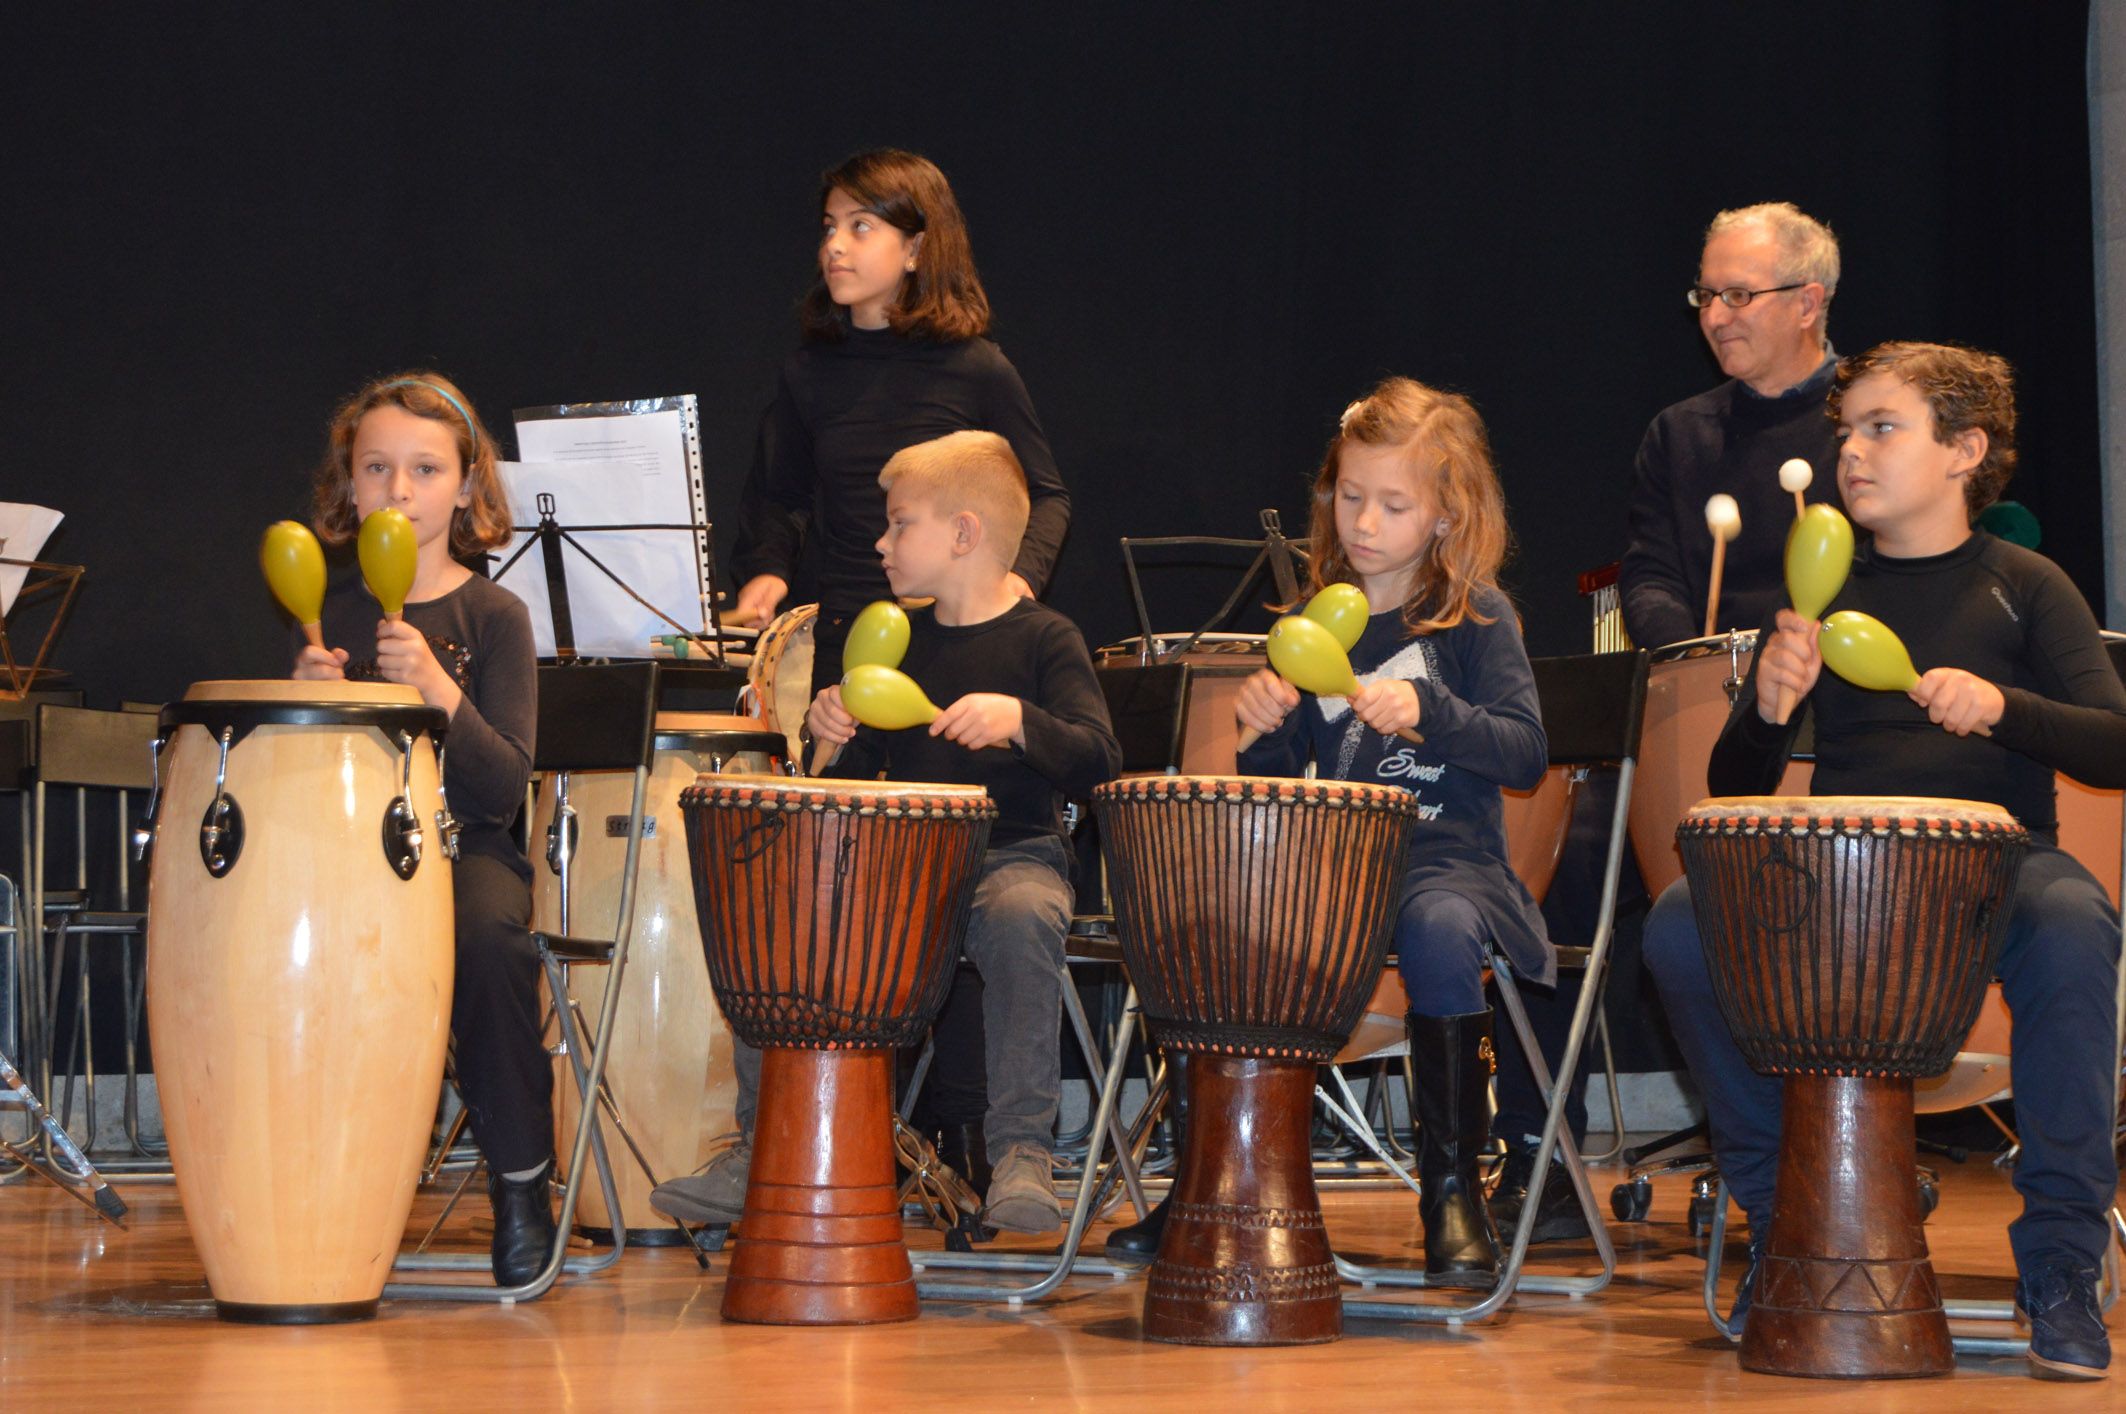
[(98, 1319)]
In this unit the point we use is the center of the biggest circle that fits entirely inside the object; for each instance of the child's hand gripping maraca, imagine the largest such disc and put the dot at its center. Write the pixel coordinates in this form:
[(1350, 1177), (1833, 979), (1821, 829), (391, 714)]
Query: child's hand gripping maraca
[(1819, 553), (873, 690), (1310, 651)]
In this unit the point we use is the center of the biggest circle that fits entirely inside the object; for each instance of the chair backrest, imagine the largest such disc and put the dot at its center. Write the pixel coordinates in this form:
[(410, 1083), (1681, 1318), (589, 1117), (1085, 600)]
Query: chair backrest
[(596, 717), (1593, 705), (79, 746), (1148, 706)]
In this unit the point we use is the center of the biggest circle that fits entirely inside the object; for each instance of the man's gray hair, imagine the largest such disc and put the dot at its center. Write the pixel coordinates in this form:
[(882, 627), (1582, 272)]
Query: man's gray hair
[(1808, 252)]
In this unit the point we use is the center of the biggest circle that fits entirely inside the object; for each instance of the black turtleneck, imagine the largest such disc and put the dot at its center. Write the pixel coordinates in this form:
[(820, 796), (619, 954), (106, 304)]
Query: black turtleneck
[(1734, 440), (2006, 614), (841, 411)]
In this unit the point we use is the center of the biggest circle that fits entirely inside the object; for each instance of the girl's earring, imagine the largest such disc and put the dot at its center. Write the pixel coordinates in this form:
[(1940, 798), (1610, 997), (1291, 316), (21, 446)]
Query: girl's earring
[(1441, 528)]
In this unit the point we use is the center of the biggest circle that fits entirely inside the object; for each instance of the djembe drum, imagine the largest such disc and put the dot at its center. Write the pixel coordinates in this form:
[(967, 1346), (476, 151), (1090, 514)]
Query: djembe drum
[(832, 913), (1850, 941), (1254, 918), (299, 978)]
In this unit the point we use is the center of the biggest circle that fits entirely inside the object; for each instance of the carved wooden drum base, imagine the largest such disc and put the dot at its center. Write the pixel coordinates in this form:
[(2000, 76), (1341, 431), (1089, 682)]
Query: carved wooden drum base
[(821, 1243), (1847, 1187), (1245, 1259)]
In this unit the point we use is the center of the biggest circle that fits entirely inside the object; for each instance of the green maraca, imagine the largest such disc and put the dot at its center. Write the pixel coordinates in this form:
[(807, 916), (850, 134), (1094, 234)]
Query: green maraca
[(1864, 652), (881, 697), (1342, 610), (1819, 553), (1308, 656), (878, 636), (389, 557), (295, 569)]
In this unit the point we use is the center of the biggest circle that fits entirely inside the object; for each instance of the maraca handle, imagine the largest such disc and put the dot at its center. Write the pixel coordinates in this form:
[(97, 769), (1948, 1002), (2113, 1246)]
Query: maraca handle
[(315, 634), (822, 753), (1783, 706)]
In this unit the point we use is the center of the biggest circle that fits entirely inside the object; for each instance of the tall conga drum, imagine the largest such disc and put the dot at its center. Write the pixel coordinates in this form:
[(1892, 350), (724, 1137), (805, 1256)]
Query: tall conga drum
[(300, 960), (832, 913), (1850, 941), (669, 1064), (1254, 917)]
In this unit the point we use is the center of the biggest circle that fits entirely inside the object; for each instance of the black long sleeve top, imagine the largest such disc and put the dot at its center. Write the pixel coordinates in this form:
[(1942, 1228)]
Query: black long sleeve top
[(1733, 440), (841, 411), (1996, 610), (481, 634), (1030, 652)]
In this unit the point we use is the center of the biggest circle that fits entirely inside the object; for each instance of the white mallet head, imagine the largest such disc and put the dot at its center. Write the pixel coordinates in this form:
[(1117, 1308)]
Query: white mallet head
[(1795, 474), (1723, 517)]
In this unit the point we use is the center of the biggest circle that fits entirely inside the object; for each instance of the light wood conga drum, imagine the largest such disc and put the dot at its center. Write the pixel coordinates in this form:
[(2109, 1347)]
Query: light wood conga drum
[(1690, 693), (300, 963), (832, 913), (1849, 941), (669, 1063), (1254, 916)]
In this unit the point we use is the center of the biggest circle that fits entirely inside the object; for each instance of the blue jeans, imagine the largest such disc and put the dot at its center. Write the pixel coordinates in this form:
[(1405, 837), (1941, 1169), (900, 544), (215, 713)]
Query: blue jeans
[(1439, 949), (2059, 973)]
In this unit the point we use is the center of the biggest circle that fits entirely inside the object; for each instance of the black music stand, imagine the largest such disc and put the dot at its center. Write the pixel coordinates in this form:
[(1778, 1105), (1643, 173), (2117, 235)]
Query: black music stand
[(1272, 551)]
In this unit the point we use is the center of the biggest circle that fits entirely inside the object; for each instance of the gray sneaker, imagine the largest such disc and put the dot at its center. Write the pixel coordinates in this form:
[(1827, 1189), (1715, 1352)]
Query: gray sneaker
[(1022, 1192), (716, 1196)]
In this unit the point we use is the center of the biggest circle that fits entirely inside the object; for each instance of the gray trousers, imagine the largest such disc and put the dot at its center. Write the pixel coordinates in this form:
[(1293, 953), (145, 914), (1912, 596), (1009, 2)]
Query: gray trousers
[(1015, 933)]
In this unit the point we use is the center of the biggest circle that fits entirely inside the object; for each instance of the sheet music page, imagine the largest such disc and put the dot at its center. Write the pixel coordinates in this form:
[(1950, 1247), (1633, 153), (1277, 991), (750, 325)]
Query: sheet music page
[(657, 564), (23, 530)]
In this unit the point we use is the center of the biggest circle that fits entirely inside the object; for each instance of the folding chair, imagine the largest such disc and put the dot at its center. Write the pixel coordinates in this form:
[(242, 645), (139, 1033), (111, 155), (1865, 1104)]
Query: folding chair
[(1148, 707), (590, 719), (1592, 709), (88, 751)]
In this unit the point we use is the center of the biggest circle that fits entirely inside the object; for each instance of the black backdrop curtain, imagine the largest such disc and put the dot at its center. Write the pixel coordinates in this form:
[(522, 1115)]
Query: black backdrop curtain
[(1205, 228)]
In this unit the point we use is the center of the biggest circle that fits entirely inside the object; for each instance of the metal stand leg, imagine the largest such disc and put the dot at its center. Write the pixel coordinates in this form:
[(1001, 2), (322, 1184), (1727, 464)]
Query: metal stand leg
[(71, 1170)]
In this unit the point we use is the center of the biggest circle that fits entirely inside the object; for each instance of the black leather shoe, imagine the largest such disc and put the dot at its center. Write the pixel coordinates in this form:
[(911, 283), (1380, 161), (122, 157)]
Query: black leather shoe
[(524, 1225), (1558, 1217), (966, 1149), (1139, 1242), (2067, 1336)]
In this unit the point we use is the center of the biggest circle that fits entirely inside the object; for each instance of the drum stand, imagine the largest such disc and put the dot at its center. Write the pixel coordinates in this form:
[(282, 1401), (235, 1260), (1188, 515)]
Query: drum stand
[(64, 1164)]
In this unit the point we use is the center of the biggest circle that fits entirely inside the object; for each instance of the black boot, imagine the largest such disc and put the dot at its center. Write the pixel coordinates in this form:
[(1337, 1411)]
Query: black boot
[(1557, 1208), (524, 1225), (966, 1151), (1452, 1058), (1139, 1242)]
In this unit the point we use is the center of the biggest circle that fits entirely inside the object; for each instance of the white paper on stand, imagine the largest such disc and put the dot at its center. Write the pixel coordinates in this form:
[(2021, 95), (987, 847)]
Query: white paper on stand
[(657, 564), (23, 531), (635, 462)]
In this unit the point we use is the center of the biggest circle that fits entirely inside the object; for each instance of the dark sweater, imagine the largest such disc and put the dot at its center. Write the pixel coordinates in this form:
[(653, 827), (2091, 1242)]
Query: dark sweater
[(840, 412), (1030, 652), (1483, 729), (481, 634), (1732, 440), (1996, 610)]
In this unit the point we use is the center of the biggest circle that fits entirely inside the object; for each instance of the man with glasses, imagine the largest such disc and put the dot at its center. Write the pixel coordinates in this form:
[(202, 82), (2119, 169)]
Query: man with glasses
[(1763, 291), (1764, 284)]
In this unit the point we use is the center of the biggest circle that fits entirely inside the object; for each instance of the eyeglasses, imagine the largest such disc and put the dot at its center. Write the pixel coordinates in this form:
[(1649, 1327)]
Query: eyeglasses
[(1734, 296)]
